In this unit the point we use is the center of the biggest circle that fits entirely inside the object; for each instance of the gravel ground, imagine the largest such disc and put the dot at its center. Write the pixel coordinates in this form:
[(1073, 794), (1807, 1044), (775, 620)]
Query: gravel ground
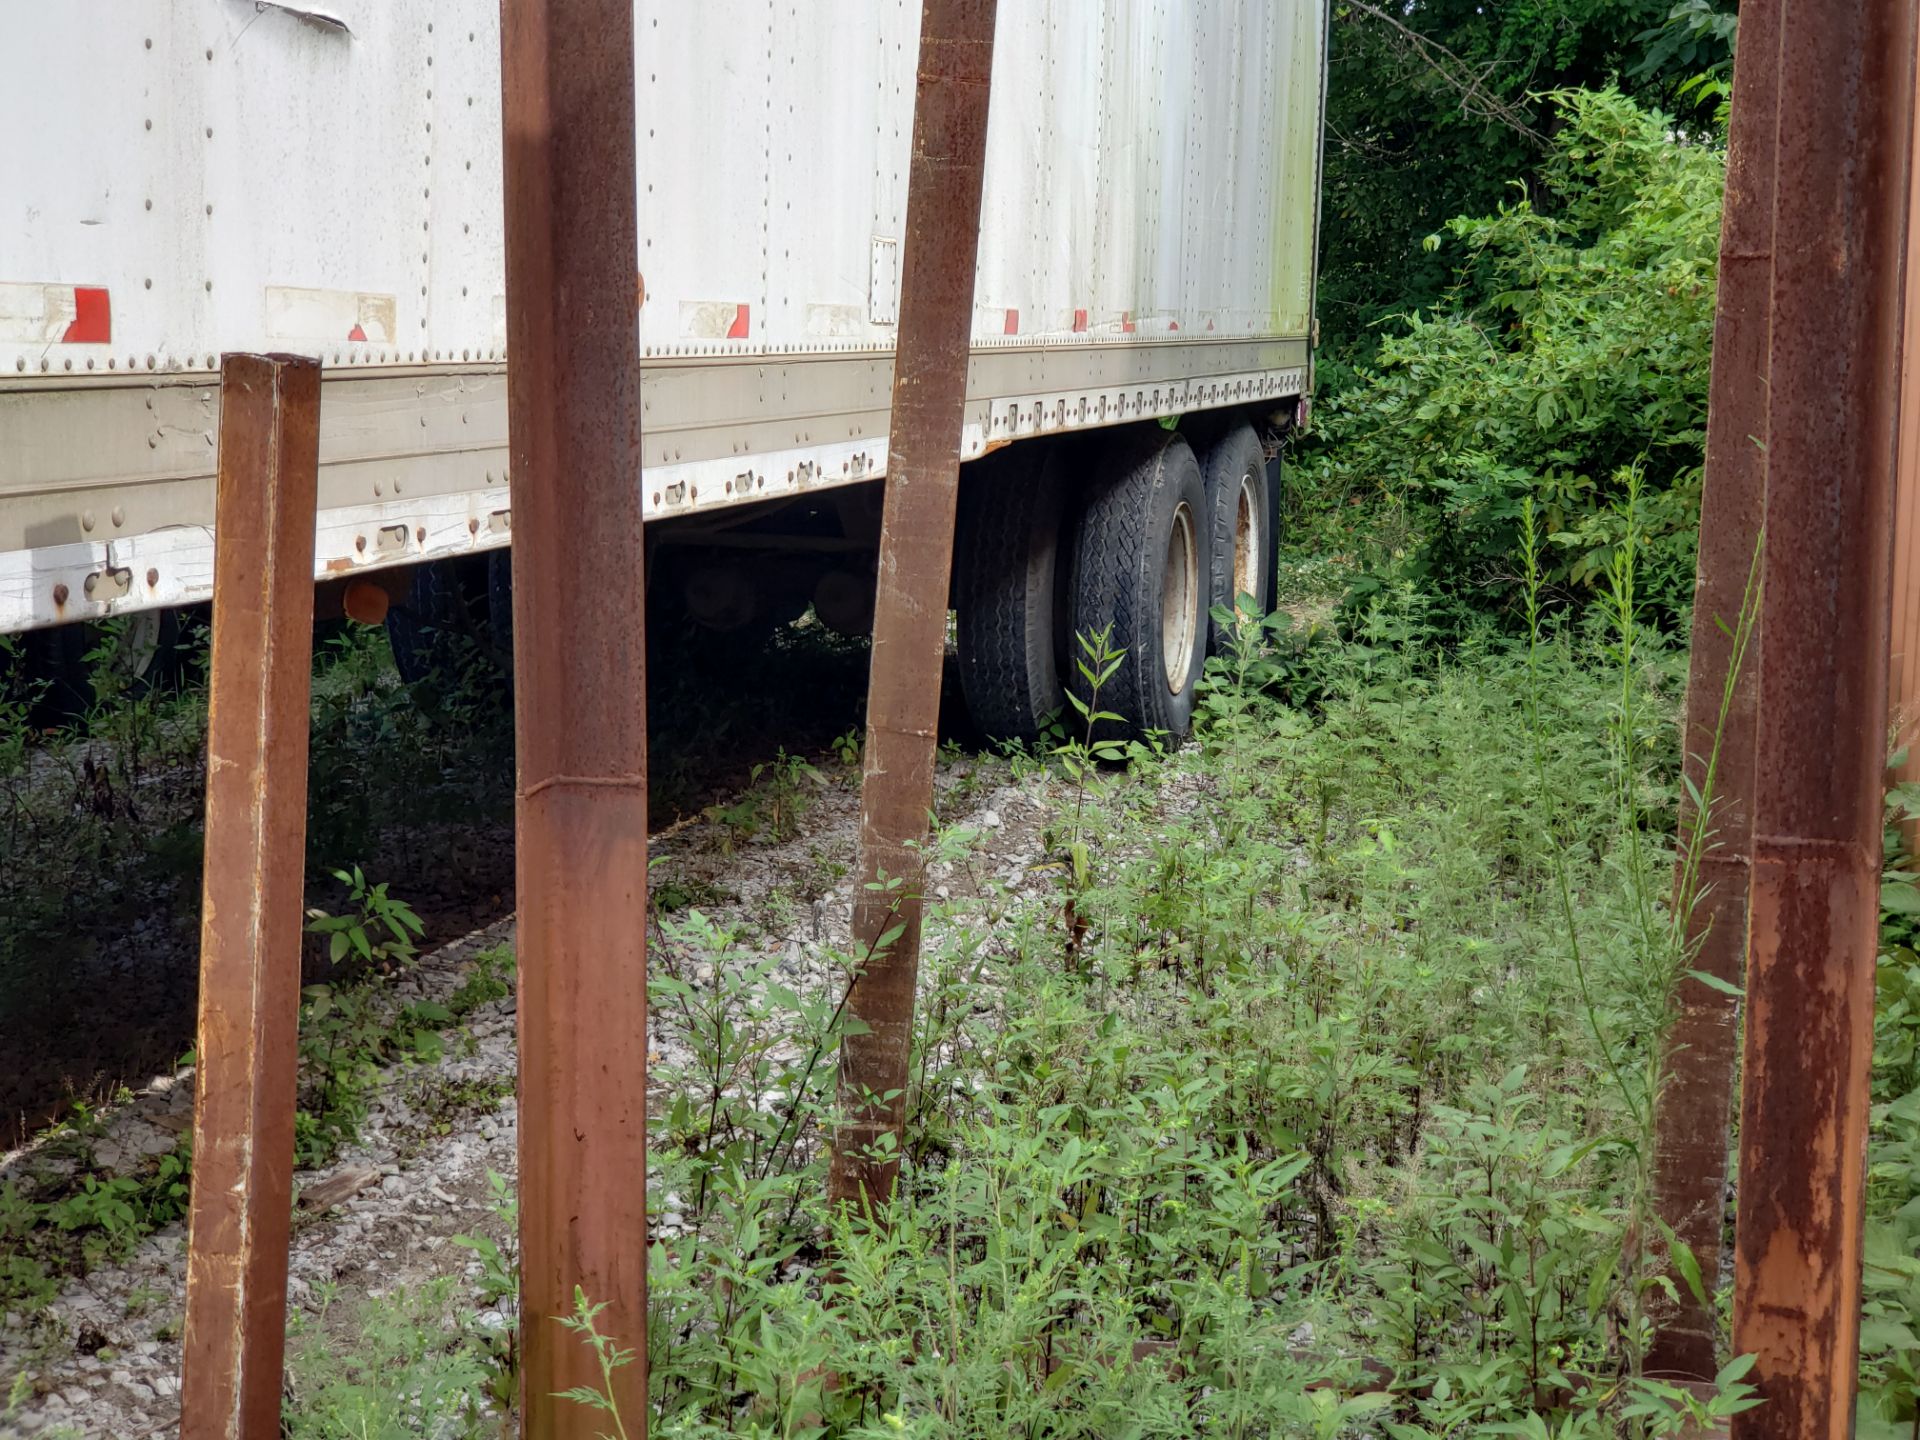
[(103, 1359)]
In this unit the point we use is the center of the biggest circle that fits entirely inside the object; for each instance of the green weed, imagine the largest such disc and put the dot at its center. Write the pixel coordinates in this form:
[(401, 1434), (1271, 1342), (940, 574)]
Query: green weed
[(408, 1372), (777, 795)]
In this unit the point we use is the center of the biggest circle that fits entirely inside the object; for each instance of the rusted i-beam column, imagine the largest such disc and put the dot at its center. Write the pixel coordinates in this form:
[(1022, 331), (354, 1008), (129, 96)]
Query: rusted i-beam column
[(251, 893), (573, 397), (1694, 1110), (1904, 647), (1846, 71), (916, 554)]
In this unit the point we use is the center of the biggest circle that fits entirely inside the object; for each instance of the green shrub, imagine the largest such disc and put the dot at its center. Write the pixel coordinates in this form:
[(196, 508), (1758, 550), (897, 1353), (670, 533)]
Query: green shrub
[(409, 1370), (1572, 352), (1889, 1349)]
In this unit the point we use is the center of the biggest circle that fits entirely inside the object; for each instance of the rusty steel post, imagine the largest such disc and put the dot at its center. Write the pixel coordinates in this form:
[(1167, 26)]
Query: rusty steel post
[(573, 396), (241, 1208), (1904, 648), (1845, 108), (944, 177), (1695, 1108)]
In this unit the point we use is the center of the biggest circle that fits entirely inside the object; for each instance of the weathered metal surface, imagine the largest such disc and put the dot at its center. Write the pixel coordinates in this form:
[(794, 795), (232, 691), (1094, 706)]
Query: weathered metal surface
[(916, 554), (1153, 159), (1151, 117), (1846, 71), (1694, 1110), (242, 1200), (567, 75), (1904, 646), (425, 448)]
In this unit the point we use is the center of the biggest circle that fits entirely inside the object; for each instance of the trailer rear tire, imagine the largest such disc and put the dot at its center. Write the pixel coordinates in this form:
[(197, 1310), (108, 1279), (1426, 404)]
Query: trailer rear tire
[(1239, 528), (1141, 562), (425, 630), (145, 658), (1009, 582), (500, 607)]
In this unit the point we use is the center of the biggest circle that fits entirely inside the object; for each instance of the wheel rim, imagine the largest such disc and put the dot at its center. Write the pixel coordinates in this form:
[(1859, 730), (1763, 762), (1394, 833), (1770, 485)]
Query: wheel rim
[(1179, 587), (1248, 522)]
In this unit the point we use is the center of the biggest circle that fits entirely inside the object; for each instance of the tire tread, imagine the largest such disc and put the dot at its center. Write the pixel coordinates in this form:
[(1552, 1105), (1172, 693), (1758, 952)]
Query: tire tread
[(1009, 673), (1116, 575)]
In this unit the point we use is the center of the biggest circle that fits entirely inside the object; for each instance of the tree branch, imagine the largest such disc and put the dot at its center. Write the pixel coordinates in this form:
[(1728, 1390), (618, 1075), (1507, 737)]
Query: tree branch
[(1458, 74)]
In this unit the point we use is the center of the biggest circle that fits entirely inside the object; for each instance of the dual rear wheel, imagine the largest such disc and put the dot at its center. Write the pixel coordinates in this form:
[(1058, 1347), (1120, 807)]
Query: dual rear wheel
[(1134, 535)]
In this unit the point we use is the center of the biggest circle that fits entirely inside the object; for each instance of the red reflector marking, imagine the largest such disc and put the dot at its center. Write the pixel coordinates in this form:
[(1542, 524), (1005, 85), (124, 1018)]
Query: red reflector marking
[(1079, 322), (1013, 322), (92, 322), (1209, 324), (741, 323), (1173, 325), (356, 333), (1126, 322)]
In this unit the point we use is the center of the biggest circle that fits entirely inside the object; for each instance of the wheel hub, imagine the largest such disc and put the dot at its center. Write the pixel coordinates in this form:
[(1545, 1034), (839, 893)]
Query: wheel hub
[(1247, 525), (1179, 588)]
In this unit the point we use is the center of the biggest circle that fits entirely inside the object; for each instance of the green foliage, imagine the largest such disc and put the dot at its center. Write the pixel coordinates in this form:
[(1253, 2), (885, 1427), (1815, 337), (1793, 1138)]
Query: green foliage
[(352, 1028), (489, 978), (1569, 359), (17, 698), (1435, 108), (101, 823), (25, 1282), (848, 747), (1890, 1323), (384, 753), (1695, 39), (113, 1212), (380, 931), (498, 1284), (408, 1370), (607, 1354), (1291, 1064), (1307, 1072), (66, 1222), (1096, 664), (51, 1228), (778, 793)]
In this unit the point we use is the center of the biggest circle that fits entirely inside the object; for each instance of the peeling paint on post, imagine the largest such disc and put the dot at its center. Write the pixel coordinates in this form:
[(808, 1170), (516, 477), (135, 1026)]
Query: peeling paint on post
[(1694, 1111), (1845, 108), (251, 898), (573, 396), (916, 555)]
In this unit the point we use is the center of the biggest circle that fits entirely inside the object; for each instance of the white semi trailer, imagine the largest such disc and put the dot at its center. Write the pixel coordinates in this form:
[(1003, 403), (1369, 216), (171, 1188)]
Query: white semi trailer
[(187, 177)]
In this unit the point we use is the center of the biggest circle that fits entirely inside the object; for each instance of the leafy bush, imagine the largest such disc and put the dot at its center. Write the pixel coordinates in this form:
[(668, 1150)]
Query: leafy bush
[(1433, 108), (1572, 352), (1300, 1075), (1289, 1081), (1253, 1088), (1890, 1323), (411, 1372)]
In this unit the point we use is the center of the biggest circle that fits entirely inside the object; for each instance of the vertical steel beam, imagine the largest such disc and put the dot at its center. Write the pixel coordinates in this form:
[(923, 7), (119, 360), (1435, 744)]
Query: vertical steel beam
[(251, 892), (1845, 111), (1904, 682), (579, 602), (944, 178), (1694, 1110)]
